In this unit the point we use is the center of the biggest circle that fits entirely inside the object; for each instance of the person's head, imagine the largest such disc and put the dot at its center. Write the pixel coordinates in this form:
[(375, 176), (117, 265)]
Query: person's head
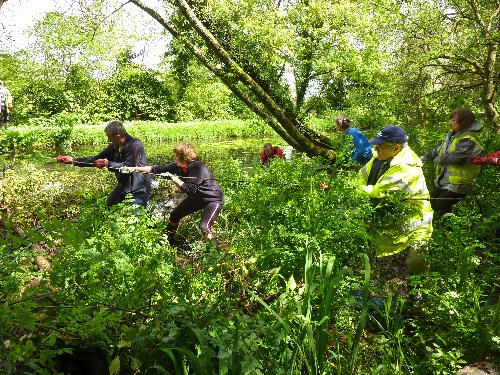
[(342, 123), (389, 141), (116, 133), (268, 149), (184, 154), (461, 119)]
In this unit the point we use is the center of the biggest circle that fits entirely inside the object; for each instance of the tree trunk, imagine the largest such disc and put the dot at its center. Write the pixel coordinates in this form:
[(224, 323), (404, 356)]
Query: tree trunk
[(489, 92), (291, 129)]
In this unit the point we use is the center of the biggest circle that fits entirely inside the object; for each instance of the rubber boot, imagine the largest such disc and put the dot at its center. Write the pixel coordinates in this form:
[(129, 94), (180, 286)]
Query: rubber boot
[(170, 232)]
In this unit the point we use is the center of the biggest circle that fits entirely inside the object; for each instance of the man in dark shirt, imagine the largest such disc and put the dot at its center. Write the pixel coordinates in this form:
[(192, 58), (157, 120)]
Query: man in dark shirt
[(124, 151)]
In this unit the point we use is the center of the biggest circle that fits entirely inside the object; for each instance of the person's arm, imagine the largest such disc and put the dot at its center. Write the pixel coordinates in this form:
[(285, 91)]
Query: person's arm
[(279, 152), (490, 159), (431, 154), (170, 169), (198, 173), (155, 169), (386, 184), (131, 155), (99, 161), (359, 148), (262, 157), (146, 169), (461, 155)]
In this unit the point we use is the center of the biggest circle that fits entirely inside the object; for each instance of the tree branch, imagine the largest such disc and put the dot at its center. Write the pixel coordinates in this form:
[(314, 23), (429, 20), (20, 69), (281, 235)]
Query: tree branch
[(312, 142)]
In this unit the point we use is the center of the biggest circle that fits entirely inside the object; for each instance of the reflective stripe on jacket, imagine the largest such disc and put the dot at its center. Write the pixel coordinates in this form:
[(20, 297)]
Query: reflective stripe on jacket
[(459, 174), (404, 174)]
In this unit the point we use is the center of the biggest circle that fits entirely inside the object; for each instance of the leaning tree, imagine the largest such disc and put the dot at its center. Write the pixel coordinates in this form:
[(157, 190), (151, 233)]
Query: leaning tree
[(275, 55)]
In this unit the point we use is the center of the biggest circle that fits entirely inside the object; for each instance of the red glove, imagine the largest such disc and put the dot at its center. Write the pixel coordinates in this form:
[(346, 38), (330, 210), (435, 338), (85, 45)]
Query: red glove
[(477, 160), (100, 163), (493, 158), (64, 159)]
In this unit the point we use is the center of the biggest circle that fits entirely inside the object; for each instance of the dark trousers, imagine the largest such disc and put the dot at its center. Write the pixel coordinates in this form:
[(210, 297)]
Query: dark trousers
[(117, 196), (189, 206), (4, 117), (445, 200)]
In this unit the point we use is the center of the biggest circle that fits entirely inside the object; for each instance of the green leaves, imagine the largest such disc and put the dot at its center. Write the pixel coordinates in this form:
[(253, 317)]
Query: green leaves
[(293, 293)]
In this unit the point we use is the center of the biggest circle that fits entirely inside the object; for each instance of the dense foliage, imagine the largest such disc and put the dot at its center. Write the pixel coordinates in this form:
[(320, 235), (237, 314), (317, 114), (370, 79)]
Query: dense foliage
[(292, 288), (409, 62)]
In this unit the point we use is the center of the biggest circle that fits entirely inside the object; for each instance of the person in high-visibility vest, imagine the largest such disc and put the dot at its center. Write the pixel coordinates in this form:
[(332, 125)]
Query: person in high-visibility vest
[(395, 171), (5, 105), (455, 175)]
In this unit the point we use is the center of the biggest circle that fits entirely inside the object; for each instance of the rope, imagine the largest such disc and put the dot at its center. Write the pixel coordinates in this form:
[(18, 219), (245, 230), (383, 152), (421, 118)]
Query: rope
[(162, 175), (450, 199), (168, 176)]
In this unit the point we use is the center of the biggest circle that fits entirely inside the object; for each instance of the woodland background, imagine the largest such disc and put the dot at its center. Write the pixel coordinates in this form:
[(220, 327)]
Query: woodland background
[(404, 62)]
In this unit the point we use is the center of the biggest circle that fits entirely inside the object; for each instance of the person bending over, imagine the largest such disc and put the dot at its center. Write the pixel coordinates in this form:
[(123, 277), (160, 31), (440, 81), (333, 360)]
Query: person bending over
[(361, 149), (396, 170), (195, 180), (124, 151), (269, 153)]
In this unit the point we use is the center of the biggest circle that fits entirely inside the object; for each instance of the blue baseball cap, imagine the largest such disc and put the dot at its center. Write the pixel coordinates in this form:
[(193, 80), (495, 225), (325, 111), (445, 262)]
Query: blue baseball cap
[(390, 133)]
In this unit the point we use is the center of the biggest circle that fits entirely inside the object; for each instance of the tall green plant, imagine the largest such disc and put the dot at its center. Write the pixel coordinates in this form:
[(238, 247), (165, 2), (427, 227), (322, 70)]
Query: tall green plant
[(309, 326), (354, 340)]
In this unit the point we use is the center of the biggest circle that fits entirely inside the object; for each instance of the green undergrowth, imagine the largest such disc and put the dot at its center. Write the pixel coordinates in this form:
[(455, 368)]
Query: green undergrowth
[(290, 289)]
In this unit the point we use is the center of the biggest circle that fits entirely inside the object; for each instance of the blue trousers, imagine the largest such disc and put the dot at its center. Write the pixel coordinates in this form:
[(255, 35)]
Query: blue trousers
[(118, 195)]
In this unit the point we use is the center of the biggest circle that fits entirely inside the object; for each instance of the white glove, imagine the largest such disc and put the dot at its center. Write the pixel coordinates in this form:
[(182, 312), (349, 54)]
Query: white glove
[(167, 175), (127, 170)]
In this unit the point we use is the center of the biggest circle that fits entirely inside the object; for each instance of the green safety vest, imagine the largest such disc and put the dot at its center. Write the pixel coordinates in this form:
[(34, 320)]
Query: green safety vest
[(404, 174), (463, 173)]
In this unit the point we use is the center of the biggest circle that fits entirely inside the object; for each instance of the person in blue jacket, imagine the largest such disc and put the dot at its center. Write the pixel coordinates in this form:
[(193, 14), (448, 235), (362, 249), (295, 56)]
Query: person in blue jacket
[(362, 149)]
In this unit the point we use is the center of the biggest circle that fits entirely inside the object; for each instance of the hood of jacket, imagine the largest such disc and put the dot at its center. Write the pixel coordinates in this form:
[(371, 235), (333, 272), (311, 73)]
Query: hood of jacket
[(474, 127)]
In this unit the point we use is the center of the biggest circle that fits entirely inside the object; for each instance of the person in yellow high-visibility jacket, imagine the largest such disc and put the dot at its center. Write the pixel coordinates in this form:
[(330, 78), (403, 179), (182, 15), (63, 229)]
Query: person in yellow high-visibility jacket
[(455, 175), (395, 172)]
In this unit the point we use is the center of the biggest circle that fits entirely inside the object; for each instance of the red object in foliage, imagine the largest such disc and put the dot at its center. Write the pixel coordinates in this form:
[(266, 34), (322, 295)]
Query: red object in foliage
[(491, 159), (64, 159)]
